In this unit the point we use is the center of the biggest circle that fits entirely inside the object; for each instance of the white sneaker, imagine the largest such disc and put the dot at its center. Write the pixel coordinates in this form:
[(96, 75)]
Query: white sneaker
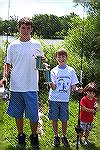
[(79, 141), (86, 142)]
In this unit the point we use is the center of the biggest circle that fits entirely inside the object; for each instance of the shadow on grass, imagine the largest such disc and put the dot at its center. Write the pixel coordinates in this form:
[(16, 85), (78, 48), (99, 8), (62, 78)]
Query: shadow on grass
[(61, 148), (90, 146), (10, 147)]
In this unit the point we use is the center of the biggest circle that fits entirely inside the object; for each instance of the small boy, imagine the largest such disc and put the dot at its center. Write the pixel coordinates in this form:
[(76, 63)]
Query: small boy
[(63, 79), (88, 108)]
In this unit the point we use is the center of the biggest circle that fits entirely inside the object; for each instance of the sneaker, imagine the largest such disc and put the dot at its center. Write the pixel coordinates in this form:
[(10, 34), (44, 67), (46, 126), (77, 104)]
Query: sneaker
[(65, 141), (79, 141), (34, 141), (21, 140), (86, 142), (57, 141)]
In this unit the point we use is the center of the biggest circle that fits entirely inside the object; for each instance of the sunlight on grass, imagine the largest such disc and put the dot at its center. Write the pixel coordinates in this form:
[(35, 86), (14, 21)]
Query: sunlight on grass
[(8, 132)]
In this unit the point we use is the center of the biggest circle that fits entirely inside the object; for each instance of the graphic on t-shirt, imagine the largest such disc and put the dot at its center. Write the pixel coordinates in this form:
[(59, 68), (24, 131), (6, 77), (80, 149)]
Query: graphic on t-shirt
[(63, 84)]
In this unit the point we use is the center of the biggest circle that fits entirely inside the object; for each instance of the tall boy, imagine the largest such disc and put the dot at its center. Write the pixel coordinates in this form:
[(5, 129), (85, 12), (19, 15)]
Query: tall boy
[(21, 59)]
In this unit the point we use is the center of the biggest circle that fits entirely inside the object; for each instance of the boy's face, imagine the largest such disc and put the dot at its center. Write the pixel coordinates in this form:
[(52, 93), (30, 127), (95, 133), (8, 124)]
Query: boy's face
[(25, 30), (61, 59), (90, 95)]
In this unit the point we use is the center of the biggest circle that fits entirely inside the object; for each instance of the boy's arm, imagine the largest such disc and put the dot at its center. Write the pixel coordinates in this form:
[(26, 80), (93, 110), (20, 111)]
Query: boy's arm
[(77, 89), (87, 109), (1, 82), (52, 85), (6, 70)]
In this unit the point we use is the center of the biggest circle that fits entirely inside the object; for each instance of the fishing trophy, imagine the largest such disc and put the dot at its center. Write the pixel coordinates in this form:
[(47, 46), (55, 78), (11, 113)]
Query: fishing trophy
[(47, 74), (39, 61)]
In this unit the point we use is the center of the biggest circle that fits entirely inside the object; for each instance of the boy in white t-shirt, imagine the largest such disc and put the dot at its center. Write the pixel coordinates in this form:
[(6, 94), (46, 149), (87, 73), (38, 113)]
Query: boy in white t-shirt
[(63, 79), (21, 60)]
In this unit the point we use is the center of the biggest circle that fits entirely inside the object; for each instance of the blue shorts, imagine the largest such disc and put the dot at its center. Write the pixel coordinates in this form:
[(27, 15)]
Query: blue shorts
[(21, 102), (58, 110)]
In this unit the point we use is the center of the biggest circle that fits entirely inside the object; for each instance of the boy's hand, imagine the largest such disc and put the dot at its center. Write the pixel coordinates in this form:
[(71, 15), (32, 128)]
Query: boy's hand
[(52, 85), (93, 111), (77, 89), (80, 90), (2, 82)]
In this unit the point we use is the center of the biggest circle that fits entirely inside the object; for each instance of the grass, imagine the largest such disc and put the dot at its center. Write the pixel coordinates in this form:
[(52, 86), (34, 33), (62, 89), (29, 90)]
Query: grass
[(8, 131)]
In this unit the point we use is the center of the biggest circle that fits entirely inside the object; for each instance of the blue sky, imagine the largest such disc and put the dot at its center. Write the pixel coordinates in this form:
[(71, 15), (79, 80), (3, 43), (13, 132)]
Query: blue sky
[(28, 8)]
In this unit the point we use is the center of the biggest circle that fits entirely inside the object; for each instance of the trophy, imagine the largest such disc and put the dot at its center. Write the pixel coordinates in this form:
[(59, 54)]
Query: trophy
[(39, 62), (47, 74)]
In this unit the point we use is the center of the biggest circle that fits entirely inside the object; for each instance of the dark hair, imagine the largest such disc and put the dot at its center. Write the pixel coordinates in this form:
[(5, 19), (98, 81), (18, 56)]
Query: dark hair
[(61, 51), (91, 87), (26, 21)]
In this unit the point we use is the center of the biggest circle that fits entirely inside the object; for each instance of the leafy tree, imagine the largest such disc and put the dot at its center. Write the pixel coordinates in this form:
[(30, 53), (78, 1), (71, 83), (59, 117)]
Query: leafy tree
[(13, 23), (93, 11), (1, 24), (65, 24), (46, 26), (10, 26)]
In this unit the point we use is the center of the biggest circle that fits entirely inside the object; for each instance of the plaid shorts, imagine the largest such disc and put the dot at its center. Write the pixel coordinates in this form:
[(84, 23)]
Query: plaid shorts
[(85, 126)]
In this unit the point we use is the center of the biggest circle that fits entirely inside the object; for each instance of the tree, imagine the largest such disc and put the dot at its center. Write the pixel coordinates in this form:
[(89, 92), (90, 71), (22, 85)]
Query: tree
[(46, 26), (93, 11), (1, 25), (10, 26)]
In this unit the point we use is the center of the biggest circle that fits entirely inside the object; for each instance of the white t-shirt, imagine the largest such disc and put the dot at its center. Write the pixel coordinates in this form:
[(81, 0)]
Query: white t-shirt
[(22, 57), (64, 79)]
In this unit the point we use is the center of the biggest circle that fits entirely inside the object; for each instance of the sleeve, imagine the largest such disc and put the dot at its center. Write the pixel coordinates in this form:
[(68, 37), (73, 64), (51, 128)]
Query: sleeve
[(8, 56), (83, 102), (74, 78), (53, 77)]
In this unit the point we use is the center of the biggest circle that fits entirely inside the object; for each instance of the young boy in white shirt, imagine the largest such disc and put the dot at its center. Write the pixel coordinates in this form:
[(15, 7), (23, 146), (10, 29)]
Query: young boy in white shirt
[(21, 60), (63, 79)]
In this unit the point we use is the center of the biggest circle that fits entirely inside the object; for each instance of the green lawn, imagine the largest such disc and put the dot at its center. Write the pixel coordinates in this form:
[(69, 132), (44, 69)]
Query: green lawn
[(8, 131)]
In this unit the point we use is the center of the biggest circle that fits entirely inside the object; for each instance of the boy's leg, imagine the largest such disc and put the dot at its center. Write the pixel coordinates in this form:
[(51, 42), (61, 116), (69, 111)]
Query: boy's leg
[(64, 128), (21, 136), (33, 127), (19, 124), (54, 116), (16, 109), (55, 127), (34, 136), (56, 137), (86, 128), (31, 112), (86, 135)]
